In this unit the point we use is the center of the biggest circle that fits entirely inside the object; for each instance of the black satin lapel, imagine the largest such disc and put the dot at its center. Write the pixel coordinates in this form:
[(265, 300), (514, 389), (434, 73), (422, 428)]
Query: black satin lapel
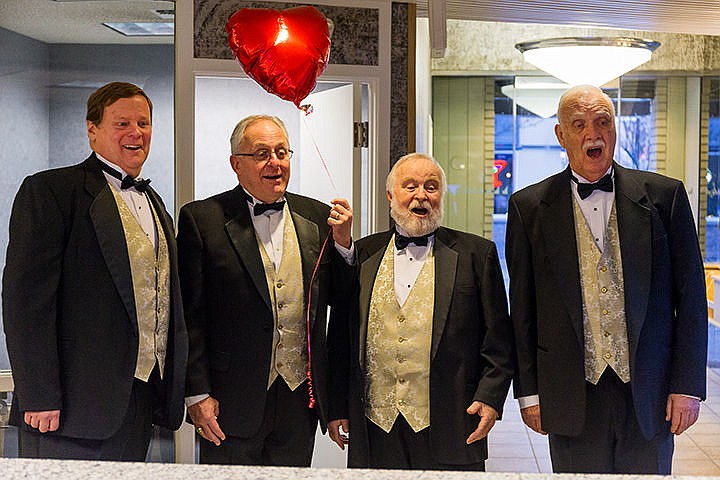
[(241, 232), (309, 240), (635, 232), (445, 270), (558, 229), (111, 238), (368, 272)]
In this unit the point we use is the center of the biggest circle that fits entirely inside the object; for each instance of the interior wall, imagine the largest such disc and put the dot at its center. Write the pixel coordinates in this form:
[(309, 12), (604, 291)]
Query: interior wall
[(24, 126)]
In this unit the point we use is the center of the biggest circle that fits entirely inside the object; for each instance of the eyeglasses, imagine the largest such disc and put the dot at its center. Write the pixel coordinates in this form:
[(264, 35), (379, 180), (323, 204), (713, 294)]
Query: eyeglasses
[(264, 154)]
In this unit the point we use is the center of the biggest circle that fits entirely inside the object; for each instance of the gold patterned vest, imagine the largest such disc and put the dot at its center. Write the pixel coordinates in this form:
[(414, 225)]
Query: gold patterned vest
[(289, 349), (601, 277), (397, 348), (150, 268)]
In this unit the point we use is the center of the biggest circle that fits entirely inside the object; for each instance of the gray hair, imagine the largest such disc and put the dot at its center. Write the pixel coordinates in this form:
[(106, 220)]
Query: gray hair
[(239, 131), (390, 182)]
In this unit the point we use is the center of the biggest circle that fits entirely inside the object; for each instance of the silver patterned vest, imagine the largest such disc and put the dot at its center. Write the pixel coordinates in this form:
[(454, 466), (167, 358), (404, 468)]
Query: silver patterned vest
[(150, 268), (289, 350), (601, 277), (397, 348)]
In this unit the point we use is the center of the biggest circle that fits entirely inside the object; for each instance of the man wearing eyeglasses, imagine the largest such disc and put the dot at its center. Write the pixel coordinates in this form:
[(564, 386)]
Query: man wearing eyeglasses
[(248, 258)]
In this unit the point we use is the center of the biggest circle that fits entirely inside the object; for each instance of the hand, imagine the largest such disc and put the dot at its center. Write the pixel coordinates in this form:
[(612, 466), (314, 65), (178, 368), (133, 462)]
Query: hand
[(531, 417), (44, 421), (487, 414), (334, 427), (340, 220), (681, 411), (204, 416)]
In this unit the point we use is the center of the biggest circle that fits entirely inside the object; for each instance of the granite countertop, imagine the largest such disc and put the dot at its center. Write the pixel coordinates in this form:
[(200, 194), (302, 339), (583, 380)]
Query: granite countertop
[(14, 468)]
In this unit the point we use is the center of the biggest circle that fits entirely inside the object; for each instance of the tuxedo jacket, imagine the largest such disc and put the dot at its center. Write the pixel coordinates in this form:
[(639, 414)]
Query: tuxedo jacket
[(228, 306), (665, 306), (471, 347), (69, 308)]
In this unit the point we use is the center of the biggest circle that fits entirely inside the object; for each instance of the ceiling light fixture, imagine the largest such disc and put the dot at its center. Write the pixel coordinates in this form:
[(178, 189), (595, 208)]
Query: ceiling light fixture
[(539, 95), (587, 60)]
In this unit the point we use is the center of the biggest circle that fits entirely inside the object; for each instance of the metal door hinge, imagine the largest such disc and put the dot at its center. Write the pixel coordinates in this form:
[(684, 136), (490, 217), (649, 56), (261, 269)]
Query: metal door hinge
[(360, 134)]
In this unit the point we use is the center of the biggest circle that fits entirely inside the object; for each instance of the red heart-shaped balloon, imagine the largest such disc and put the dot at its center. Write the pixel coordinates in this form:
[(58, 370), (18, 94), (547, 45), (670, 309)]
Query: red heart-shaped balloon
[(282, 50)]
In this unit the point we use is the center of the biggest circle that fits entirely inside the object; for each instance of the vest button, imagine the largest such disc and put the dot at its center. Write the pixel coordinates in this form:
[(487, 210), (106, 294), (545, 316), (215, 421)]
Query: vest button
[(401, 339), (279, 365), (401, 318), (603, 268), (280, 284), (280, 345), (400, 359), (401, 402), (281, 305), (280, 326), (604, 290), (605, 312), (608, 355), (401, 380), (606, 333)]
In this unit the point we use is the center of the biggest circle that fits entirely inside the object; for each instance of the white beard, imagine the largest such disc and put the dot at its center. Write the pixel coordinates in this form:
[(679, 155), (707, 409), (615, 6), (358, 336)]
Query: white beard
[(416, 226)]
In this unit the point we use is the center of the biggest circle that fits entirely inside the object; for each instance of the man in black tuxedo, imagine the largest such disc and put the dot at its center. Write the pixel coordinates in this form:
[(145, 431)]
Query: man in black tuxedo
[(421, 377), (91, 297), (253, 261), (607, 300)]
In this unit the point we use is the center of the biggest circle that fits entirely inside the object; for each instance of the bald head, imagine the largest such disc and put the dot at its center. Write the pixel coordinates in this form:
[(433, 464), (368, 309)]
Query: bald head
[(586, 130)]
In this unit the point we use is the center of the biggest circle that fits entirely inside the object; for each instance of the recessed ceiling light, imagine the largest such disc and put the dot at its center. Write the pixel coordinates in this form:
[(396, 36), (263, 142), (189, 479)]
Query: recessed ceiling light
[(139, 29)]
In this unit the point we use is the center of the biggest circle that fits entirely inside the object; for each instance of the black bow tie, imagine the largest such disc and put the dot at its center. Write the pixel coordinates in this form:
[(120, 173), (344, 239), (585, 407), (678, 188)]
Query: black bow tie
[(401, 241), (585, 189), (260, 208), (128, 181), (140, 185)]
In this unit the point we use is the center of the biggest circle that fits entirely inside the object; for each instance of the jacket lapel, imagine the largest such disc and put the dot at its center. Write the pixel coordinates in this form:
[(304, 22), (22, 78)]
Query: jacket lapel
[(309, 240), (368, 272), (558, 232), (110, 234), (635, 231), (445, 270), (241, 232)]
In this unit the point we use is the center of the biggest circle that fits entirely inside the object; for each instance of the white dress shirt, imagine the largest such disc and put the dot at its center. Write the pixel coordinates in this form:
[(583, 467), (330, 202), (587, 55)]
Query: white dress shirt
[(136, 201)]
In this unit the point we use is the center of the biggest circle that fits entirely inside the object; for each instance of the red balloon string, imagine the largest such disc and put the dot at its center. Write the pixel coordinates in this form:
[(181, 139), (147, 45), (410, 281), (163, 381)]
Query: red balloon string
[(308, 372), (320, 155)]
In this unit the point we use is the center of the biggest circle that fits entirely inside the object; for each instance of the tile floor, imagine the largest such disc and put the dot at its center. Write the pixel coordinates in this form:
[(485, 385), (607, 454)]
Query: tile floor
[(516, 448)]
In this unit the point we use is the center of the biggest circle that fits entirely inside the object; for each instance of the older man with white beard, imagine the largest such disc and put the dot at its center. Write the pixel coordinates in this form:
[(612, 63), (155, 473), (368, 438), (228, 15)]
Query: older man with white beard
[(422, 374)]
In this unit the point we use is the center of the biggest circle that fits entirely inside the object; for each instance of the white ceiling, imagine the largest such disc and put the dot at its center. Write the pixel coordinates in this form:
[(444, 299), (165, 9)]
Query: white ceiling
[(676, 16), (80, 21)]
